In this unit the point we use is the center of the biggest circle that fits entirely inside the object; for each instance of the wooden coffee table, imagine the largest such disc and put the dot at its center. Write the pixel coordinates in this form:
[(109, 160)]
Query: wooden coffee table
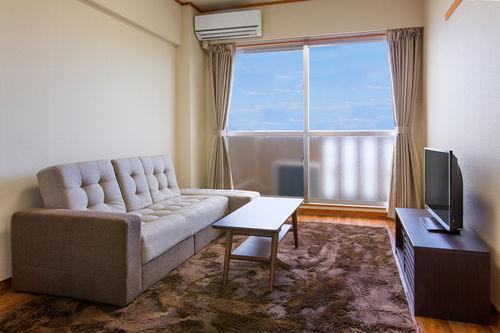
[(264, 220)]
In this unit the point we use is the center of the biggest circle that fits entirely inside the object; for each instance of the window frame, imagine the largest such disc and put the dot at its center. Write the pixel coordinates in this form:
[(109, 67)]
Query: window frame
[(307, 133)]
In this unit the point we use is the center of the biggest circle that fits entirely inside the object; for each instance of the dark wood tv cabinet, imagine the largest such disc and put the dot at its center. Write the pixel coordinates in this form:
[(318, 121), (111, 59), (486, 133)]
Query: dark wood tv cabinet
[(447, 275)]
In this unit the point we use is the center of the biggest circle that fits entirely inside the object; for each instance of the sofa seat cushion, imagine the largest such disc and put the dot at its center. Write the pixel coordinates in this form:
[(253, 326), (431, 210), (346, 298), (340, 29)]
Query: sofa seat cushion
[(237, 198), (168, 222)]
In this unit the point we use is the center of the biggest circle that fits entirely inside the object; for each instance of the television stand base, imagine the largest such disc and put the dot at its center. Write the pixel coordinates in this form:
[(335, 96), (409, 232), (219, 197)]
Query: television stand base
[(431, 224), (446, 276)]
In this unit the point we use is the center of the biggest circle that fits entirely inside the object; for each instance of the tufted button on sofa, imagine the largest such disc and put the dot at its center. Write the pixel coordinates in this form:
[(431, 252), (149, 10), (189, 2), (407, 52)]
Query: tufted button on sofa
[(112, 228)]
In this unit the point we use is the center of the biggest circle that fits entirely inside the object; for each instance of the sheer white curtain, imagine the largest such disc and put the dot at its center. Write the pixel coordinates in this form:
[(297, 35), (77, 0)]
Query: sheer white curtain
[(405, 57), (222, 62)]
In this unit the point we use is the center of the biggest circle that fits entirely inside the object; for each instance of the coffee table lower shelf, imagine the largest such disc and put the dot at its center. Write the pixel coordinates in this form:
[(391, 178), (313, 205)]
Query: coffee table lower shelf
[(256, 248)]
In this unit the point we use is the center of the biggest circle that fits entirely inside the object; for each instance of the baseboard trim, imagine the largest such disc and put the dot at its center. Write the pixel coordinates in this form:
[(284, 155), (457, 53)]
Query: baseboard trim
[(342, 211), (6, 284)]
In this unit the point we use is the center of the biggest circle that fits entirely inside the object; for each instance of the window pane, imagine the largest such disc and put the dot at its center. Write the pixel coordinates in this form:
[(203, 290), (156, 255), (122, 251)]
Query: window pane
[(271, 165), (350, 168), (267, 92), (350, 87)]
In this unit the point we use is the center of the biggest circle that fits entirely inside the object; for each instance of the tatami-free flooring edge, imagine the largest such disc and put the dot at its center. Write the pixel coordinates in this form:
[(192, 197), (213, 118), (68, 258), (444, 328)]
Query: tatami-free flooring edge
[(9, 299), (5, 284)]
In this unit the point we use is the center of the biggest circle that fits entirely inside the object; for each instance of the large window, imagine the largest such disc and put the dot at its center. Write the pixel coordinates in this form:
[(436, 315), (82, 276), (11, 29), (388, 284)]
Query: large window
[(313, 121)]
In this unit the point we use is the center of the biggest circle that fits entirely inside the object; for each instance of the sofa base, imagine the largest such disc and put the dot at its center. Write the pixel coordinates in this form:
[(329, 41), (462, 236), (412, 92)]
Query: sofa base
[(204, 237), (158, 268)]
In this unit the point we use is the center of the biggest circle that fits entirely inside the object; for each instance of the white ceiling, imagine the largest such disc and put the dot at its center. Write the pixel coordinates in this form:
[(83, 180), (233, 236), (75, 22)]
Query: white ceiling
[(219, 4)]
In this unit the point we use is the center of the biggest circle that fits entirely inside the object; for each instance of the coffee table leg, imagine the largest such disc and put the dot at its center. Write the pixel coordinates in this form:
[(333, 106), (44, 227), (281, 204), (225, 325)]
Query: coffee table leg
[(295, 231), (274, 254), (229, 245)]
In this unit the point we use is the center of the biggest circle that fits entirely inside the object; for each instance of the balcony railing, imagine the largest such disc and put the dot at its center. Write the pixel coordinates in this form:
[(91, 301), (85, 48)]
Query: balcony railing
[(343, 167)]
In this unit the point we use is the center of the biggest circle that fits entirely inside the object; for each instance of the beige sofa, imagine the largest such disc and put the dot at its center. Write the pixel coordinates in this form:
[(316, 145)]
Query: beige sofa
[(111, 229)]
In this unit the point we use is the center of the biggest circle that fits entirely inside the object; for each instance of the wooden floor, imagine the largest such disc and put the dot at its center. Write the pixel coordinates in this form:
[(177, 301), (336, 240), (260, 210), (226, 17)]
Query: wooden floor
[(10, 300)]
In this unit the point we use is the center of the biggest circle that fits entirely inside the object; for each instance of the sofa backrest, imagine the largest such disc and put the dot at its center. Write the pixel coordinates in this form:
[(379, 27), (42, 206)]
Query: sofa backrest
[(120, 185), (160, 176), (81, 186), (133, 184)]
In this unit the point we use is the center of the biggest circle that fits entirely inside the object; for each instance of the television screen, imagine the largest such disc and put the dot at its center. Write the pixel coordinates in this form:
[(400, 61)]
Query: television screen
[(437, 183), (443, 191)]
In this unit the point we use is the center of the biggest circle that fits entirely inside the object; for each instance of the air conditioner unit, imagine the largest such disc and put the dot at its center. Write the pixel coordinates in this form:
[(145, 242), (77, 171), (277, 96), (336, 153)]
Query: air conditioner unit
[(239, 24)]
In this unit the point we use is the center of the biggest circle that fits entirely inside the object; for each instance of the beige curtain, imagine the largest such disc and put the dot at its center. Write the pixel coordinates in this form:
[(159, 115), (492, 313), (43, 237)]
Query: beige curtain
[(222, 61), (405, 57)]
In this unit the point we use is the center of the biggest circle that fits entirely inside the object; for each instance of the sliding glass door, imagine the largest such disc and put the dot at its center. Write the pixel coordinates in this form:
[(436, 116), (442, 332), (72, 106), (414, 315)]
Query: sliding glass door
[(313, 121)]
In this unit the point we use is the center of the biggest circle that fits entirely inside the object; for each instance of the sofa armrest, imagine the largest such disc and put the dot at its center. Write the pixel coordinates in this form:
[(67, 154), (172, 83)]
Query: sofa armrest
[(81, 254), (237, 198)]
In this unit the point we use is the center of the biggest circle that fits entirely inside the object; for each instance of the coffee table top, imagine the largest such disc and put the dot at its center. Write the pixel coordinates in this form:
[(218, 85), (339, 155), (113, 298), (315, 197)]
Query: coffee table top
[(260, 214)]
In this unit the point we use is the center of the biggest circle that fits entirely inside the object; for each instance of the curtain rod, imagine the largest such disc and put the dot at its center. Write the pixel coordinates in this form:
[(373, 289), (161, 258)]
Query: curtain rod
[(315, 40)]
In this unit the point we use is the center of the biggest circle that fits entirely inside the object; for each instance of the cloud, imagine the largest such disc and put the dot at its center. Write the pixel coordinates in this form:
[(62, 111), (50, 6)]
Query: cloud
[(275, 106), (378, 87), (386, 116), (352, 104), (278, 76), (295, 91), (259, 93)]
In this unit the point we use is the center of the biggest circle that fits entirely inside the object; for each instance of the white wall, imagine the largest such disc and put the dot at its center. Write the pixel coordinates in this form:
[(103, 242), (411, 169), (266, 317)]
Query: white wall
[(76, 84), (325, 17), (193, 117), (328, 17), (462, 101), (161, 17)]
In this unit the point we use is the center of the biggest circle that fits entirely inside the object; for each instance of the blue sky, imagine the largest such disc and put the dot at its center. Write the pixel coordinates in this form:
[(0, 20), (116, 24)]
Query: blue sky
[(349, 89)]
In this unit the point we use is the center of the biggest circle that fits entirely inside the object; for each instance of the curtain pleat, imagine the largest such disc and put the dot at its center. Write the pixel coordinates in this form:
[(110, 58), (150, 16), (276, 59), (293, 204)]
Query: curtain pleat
[(405, 58), (222, 62)]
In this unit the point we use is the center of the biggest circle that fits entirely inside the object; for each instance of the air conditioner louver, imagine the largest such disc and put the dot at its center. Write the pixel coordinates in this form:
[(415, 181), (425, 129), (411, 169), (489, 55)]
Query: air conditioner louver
[(228, 25)]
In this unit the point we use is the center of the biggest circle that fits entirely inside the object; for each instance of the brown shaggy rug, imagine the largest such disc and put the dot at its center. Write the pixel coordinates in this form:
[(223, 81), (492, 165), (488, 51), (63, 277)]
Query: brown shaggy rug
[(342, 278)]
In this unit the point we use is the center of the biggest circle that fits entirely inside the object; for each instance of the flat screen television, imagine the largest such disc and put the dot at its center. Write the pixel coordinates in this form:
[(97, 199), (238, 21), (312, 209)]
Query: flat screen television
[(443, 191)]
